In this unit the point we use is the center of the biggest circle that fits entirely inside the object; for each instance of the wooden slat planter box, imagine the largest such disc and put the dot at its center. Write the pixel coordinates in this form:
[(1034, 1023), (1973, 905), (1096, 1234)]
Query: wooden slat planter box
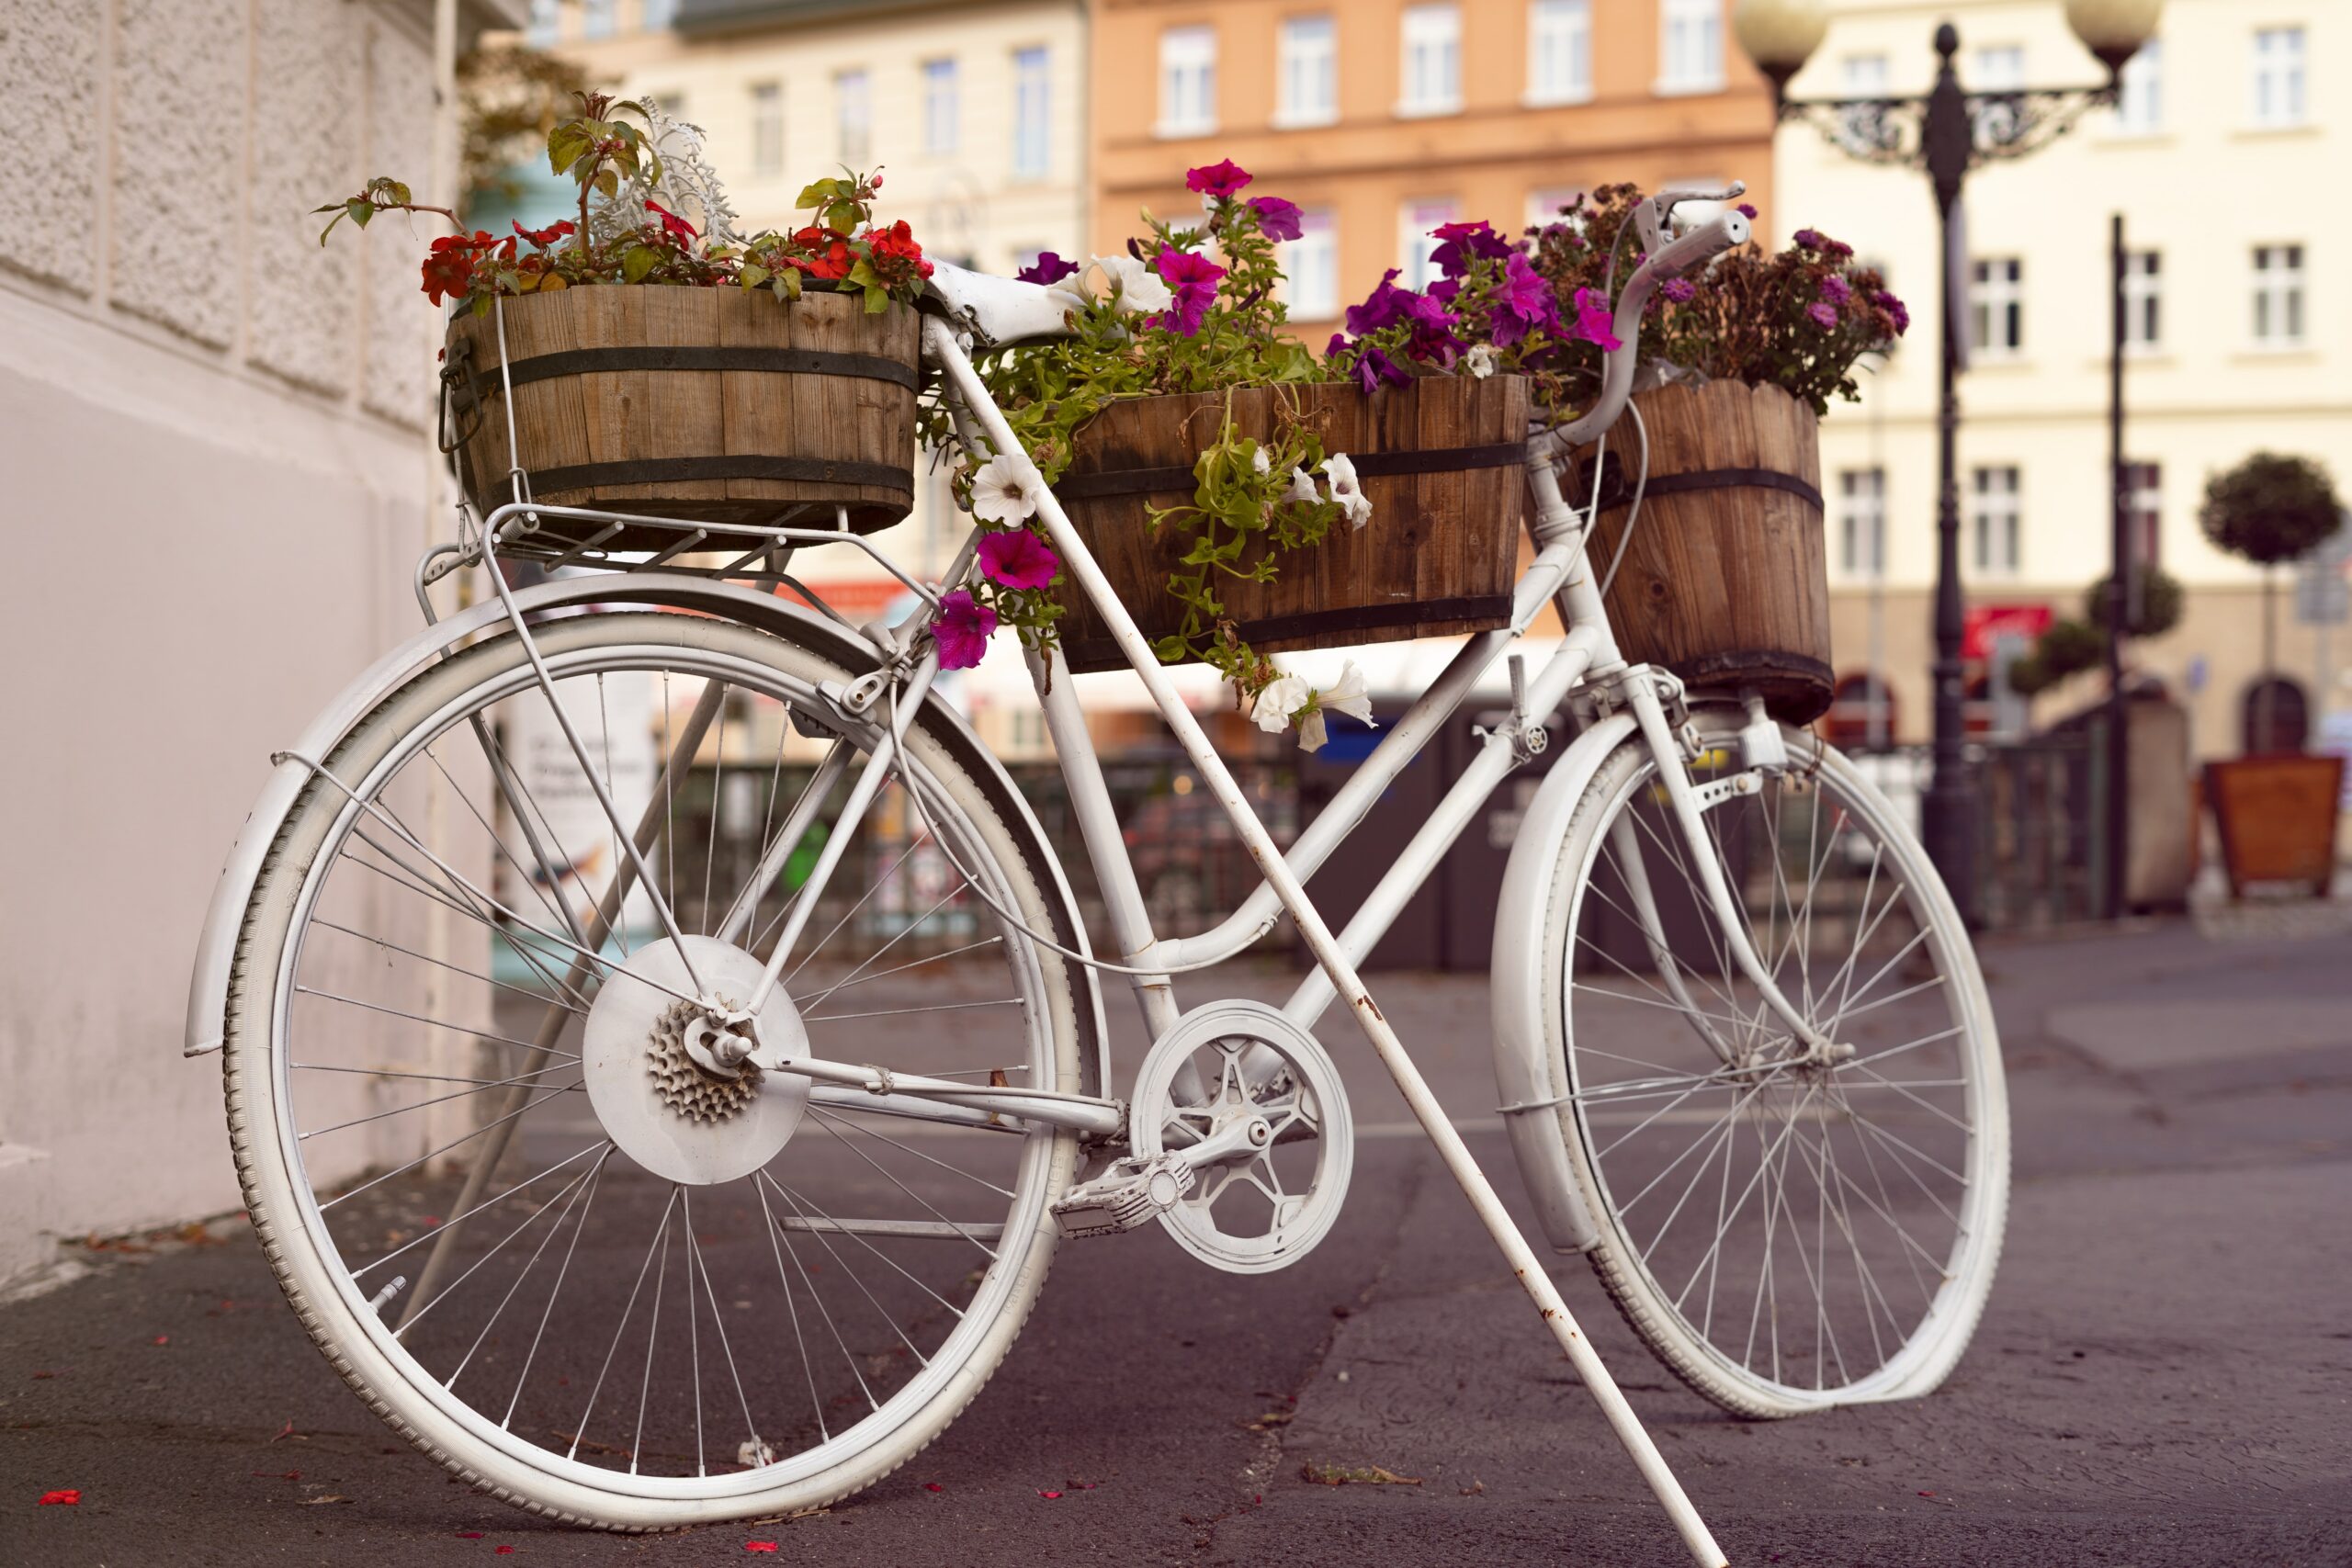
[(710, 405), (2277, 819), (1727, 579), (1441, 461)]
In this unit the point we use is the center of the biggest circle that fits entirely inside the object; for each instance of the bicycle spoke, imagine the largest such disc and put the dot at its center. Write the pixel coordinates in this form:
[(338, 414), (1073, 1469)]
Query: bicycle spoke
[(661, 1231)]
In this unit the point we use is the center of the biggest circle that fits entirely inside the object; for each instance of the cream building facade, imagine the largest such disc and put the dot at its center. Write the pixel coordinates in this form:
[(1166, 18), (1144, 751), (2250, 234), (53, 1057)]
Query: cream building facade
[(2223, 158), (976, 110), (220, 474)]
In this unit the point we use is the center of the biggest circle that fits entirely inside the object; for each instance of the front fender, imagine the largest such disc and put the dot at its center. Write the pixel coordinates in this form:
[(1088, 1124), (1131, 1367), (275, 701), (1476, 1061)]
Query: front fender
[(217, 946), (1522, 1051)]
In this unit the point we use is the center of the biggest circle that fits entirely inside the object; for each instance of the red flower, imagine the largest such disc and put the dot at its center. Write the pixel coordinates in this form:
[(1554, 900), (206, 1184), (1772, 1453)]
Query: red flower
[(897, 256), (542, 237), (673, 226), (828, 253), (69, 1497), (1218, 179), (449, 268)]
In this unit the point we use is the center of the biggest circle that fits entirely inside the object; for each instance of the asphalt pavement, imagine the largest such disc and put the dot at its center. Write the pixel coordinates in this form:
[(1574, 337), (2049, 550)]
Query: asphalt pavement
[(2163, 1375)]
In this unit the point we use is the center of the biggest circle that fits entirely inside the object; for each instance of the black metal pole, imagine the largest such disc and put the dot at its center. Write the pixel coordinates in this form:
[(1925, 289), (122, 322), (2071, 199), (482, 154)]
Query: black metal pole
[(2119, 597), (1948, 812)]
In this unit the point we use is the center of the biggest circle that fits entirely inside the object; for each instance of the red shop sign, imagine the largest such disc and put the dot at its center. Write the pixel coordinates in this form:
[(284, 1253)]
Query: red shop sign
[(1985, 622)]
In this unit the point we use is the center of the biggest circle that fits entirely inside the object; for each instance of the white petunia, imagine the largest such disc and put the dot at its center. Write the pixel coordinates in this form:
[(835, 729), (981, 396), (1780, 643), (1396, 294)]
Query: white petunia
[(1137, 286), (1260, 462), (1302, 488), (1480, 360), (1280, 698), (1310, 730), (1346, 490), (1001, 492), (1350, 696)]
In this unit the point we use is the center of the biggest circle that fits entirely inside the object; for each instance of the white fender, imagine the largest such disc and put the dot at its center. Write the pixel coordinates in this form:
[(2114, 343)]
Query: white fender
[(216, 949), (1523, 1068)]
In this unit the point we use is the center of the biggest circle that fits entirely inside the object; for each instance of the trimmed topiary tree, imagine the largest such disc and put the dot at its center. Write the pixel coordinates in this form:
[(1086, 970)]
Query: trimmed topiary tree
[(2268, 510)]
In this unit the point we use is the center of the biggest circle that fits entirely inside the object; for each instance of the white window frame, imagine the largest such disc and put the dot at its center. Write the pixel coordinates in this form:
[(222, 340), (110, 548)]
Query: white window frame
[(1429, 60), (1187, 81), (598, 19), (767, 129), (1995, 522), (544, 24), (1861, 524), (1996, 295), (2144, 301), (2277, 89), (854, 116), (1559, 52), (943, 106), (1033, 112), (1307, 70), (1690, 47), (1415, 246), (1311, 266), (2280, 317), (2139, 101)]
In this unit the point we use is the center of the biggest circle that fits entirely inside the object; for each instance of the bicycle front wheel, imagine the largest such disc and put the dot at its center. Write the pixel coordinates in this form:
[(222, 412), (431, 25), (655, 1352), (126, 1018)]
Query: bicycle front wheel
[(676, 1299), (1786, 1235)]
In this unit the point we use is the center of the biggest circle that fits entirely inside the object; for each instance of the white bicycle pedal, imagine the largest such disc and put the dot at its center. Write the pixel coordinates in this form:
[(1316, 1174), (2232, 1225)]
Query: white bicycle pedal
[(1132, 1191)]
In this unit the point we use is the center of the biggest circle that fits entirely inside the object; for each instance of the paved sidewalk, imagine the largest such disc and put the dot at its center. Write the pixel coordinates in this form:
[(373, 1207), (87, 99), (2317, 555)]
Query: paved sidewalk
[(2161, 1378)]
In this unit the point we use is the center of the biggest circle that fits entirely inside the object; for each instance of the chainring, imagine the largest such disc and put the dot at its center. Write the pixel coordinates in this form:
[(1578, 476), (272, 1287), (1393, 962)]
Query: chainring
[(1261, 1209)]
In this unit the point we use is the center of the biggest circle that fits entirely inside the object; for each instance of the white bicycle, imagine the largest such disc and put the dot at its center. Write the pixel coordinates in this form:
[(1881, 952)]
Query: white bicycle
[(715, 1253)]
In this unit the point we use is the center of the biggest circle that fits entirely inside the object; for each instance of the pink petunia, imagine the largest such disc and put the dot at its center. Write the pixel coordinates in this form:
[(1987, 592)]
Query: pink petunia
[(1218, 179), (1018, 558), (1194, 278), (963, 630), (1593, 319), (1278, 219)]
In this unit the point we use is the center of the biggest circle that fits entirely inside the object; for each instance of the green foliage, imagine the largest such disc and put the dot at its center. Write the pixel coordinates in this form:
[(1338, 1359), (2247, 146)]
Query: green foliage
[(2269, 509), (2161, 601)]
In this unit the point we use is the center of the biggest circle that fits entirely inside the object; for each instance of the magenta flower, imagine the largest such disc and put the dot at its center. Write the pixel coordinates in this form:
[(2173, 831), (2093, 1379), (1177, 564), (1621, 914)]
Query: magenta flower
[(1380, 308), (1277, 218), (1047, 268), (1811, 239), (1896, 310), (1375, 368), (962, 630), (1746, 209), (1433, 341), (1018, 558), (1594, 320), (1194, 278), (1678, 290), (1219, 179), (1459, 244), (1836, 289), (1824, 316), (1522, 302), (1337, 346)]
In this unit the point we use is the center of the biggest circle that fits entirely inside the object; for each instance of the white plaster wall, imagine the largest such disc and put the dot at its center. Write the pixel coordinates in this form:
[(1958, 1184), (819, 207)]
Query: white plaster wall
[(213, 481), (2203, 190)]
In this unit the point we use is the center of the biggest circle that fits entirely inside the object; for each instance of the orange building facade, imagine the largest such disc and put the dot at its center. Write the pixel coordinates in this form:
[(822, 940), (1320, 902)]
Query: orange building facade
[(1385, 117)]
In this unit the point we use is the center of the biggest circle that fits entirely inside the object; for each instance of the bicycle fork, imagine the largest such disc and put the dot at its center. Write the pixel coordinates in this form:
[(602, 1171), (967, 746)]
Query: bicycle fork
[(1525, 1266)]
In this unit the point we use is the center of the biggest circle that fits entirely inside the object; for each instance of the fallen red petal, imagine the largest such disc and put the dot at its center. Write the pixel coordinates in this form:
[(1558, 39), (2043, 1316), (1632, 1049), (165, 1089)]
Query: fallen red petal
[(505, 1552), (1926, 1493), (759, 1546), (932, 1487), (1042, 1492), (469, 1535), (163, 1339), (69, 1497)]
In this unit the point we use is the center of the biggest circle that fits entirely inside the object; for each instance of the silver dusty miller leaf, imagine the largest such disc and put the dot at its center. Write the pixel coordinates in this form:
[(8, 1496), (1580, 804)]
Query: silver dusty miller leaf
[(689, 187)]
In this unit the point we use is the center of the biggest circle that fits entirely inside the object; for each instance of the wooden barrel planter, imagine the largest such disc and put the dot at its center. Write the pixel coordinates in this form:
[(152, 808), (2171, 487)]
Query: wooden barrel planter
[(1442, 462), (1726, 583), (716, 406)]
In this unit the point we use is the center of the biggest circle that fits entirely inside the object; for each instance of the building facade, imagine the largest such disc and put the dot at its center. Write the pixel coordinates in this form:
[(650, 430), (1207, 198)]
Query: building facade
[(1383, 118), (220, 471), (2239, 336), (975, 109)]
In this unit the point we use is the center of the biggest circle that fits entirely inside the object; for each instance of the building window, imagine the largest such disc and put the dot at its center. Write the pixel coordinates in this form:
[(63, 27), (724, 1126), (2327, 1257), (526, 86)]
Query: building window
[(596, 19), (1997, 307), (1432, 60), (853, 117), (2278, 296), (1861, 522), (657, 15), (1543, 205), (1862, 77), (1311, 267), (2278, 76), (1998, 70), (2140, 108), (1309, 75), (1033, 114), (767, 129), (1187, 81), (545, 24), (942, 109), (1415, 241), (1690, 46), (1559, 52), (2144, 497), (2143, 299), (1993, 522)]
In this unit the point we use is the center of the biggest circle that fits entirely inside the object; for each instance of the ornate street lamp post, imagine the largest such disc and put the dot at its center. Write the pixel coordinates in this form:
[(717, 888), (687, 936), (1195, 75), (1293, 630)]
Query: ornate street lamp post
[(1947, 131)]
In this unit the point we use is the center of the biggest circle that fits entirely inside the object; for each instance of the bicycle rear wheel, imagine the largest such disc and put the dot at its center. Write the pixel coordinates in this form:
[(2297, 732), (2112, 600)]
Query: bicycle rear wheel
[(1786, 1236), (676, 1300)]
